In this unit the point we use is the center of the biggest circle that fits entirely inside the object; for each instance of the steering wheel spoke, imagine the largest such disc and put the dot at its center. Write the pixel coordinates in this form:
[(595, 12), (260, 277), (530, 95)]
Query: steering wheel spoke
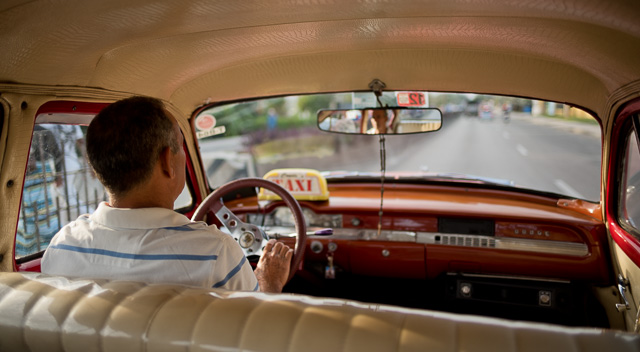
[(251, 238)]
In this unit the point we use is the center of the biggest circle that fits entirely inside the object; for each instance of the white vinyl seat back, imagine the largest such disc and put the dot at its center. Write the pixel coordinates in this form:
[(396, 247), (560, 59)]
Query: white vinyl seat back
[(45, 313)]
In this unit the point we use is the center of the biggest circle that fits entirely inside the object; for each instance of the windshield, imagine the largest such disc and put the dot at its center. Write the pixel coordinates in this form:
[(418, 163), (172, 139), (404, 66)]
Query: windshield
[(525, 143)]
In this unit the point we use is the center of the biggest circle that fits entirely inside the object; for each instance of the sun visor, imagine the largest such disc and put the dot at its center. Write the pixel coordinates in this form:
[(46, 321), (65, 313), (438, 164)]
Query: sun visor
[(303, 184)]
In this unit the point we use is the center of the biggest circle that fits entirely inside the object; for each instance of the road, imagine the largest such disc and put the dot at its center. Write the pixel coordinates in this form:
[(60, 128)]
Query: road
[(539, 153), (563, 158)]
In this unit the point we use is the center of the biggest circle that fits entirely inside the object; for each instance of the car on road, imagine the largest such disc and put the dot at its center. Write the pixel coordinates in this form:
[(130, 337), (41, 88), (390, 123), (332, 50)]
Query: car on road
[(344, 131)]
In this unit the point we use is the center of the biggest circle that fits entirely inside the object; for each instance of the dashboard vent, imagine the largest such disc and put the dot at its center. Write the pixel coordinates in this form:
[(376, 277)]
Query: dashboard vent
[(467, 241)]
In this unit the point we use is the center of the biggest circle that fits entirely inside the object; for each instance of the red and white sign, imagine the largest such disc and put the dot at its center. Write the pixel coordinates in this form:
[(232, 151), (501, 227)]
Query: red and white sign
[(411, 99), (205, 122)]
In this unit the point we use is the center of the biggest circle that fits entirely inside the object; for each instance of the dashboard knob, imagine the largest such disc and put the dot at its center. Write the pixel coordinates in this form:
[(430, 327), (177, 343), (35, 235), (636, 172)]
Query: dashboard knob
[(316, 247)]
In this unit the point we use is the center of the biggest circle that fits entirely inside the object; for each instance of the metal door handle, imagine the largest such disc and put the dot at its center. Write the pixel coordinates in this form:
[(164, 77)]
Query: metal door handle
[(622, 283)]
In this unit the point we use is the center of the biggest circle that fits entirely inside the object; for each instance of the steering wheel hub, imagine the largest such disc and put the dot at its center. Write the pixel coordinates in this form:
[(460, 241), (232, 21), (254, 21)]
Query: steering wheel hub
[(246, 240)]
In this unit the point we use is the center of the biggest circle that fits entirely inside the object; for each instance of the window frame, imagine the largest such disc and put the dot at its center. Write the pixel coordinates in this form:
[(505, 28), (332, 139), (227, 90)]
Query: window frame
[(627, 242), (624, 144)]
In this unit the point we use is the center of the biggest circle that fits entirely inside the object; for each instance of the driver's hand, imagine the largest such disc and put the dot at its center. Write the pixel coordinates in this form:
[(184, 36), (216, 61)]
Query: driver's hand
[(272, 270)]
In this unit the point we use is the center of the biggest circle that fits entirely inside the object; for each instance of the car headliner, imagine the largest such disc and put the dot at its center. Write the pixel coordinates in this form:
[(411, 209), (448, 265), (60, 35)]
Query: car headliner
[(187, 52)]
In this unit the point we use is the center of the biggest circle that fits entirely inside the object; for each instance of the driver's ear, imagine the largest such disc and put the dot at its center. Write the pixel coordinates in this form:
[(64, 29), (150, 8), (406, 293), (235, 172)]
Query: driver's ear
[(166, 162)]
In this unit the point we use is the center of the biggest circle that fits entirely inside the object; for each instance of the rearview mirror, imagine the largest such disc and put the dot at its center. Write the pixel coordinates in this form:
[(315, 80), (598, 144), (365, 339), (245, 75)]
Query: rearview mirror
[(389, 121)]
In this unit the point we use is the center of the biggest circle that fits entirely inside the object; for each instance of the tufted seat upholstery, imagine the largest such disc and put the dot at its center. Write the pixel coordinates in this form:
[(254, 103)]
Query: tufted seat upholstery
[(45, 313)]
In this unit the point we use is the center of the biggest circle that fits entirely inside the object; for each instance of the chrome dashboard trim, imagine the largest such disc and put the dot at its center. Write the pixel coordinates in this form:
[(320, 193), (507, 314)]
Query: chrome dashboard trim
[(458, 240), (507, 277), (508, 243)]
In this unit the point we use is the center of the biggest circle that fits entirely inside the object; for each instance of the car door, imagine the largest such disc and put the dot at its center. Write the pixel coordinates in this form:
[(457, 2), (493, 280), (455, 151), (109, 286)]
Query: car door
[(623, 208)]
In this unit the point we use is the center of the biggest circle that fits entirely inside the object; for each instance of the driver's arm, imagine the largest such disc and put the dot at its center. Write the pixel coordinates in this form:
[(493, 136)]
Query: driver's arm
[(232, 270)]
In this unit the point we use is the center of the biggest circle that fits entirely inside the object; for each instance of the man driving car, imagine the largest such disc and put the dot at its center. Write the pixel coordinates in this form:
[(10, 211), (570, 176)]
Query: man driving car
[(135, 148), (378, 120)]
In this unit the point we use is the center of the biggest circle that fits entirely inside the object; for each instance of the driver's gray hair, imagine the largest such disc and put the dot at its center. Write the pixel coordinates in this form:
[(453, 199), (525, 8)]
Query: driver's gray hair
[(125, 139)]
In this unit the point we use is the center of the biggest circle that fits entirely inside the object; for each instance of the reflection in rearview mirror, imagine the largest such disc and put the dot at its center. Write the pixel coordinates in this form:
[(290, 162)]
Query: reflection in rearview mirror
[(396, 120)]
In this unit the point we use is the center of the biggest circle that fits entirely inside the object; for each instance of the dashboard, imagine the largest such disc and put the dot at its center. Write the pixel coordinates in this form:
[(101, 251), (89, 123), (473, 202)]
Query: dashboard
[(427, 231), (466, 244)]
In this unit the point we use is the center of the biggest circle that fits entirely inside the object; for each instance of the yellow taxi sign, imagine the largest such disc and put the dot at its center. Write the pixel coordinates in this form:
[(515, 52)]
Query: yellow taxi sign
[(303, 184)]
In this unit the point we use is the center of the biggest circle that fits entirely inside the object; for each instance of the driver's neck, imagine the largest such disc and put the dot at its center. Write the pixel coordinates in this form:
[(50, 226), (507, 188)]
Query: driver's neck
[(158, 191), (146, 195), (137, 202)]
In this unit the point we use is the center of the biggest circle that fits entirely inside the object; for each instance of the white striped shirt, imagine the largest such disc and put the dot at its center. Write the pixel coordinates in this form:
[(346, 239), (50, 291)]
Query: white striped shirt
[(153, 245)]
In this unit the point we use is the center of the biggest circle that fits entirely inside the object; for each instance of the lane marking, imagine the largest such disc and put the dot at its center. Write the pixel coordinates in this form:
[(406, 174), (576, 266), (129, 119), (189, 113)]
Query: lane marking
[(566, 189), (522, 150)]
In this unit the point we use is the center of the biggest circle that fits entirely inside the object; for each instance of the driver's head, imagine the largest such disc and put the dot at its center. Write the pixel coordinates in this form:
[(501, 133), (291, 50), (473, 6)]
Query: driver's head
[(125, 140), (379, 120)]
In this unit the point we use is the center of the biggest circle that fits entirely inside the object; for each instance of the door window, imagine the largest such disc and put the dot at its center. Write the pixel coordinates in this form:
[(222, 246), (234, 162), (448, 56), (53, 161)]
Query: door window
[(58, 187), (59, 184), (630, 197)]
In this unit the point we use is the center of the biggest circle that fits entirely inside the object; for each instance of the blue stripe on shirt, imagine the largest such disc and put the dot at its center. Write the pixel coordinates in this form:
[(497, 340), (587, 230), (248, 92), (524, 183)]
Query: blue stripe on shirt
[(230, 274), (133, 255), (257, 288), (182, 228)]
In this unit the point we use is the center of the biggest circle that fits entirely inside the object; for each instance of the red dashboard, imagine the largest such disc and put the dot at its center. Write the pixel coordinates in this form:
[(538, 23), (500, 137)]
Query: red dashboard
[(431, 230)]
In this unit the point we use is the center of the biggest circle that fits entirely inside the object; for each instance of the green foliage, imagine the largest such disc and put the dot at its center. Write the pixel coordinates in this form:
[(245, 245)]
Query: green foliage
[(252, 116), (313, 103)]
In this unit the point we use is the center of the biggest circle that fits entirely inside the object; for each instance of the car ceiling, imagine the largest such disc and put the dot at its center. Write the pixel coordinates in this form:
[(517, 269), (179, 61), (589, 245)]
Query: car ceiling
[(586, 53)]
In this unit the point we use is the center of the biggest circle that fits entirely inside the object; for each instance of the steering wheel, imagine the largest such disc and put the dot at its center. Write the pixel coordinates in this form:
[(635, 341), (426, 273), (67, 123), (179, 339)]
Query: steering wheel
[(252, 238)]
